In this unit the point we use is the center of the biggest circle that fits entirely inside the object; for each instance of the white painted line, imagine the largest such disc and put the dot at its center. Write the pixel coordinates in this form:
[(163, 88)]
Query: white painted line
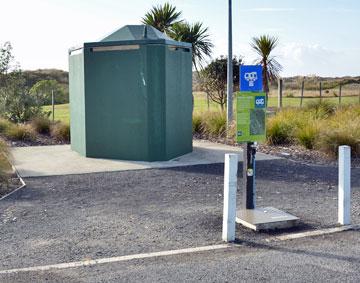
[(314, 233), (230, 188), (115, 259), (344, 199), (17, 189)]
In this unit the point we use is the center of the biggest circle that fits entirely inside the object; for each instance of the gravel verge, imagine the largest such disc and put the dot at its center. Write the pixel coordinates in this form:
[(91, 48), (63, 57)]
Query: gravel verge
[(70, 218)]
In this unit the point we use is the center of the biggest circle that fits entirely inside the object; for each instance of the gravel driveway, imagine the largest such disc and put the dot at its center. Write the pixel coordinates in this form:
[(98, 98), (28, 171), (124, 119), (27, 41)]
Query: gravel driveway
[(69, 218)]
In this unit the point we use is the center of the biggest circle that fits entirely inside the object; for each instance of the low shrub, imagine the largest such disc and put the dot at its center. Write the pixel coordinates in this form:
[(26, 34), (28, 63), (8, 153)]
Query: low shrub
[(321, 108), (319, 126), (280, 128), (20, 132), (346, 112), (343, 128), (4, 165), (331, 139), (41, 125), (214, 124), (61, 132), (278, 132), (197, 123), (307, 135), (4, 125)]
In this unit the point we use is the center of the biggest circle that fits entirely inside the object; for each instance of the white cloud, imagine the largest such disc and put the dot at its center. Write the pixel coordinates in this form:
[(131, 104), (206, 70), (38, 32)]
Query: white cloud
[(304, 59)]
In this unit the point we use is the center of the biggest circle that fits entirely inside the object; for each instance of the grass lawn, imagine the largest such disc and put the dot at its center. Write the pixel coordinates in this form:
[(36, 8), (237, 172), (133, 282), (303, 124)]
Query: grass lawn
[(61, 112), (200, 104)]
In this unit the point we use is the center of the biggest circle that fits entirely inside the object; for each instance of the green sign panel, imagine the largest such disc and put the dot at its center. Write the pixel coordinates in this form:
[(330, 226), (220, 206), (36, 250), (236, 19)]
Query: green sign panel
[(250, 118)]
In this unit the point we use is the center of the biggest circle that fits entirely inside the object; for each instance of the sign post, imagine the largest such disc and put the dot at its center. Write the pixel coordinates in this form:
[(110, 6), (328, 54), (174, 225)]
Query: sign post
[(251, 112), (251, 128), (229, 101)]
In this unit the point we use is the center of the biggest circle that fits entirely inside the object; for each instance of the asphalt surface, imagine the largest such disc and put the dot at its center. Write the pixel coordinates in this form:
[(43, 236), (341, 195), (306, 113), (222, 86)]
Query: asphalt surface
[(70, 218), (334, 258)]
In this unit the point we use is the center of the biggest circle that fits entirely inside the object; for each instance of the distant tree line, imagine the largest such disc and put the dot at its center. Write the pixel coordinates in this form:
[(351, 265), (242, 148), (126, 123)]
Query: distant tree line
[(23, 93), (34, 76)]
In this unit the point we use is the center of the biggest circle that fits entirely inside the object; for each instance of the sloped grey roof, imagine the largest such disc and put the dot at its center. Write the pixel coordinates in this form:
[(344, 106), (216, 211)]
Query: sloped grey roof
[(136, 32)]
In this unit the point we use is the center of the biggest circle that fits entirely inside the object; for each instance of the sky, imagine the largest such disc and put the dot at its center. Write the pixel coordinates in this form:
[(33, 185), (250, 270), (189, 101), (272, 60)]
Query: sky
[(316, 37)]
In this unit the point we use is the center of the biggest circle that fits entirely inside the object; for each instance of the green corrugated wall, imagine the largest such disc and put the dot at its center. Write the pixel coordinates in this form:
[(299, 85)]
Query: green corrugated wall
[(131, 104)]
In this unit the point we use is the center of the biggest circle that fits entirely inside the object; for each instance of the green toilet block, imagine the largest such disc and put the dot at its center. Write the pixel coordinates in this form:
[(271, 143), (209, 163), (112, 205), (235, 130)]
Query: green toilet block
[(131, 96)]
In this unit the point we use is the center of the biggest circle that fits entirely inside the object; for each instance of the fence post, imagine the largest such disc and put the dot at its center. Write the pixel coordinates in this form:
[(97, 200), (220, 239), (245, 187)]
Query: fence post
[(53, 105), (320, 85), (344, 199), (230, 188), (302, 92), (280, 93), (340, 86)]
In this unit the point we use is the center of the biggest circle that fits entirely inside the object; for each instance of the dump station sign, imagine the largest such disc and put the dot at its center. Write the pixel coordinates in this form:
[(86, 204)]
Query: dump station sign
[(251, 111), (251, 105)]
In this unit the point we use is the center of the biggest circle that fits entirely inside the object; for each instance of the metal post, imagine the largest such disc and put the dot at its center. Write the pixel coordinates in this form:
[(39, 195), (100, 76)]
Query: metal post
[(340, 93), (53, 105), (302, 92), (229, 73), (280, 93), (249, 175), (320, 91), (344, 206), (230, 187)]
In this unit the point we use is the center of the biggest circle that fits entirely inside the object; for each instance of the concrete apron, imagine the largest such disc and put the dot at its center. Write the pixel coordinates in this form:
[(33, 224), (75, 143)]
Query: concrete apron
[(53, 160)]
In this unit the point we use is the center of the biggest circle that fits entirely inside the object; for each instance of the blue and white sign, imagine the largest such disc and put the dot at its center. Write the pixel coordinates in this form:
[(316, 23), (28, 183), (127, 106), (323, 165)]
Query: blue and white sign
[(251, 78), (259, 101)]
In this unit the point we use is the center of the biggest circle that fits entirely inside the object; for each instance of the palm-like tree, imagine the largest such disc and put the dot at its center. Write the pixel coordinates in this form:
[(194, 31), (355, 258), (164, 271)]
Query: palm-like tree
[(198, 36), (263, 46), (162, 17)]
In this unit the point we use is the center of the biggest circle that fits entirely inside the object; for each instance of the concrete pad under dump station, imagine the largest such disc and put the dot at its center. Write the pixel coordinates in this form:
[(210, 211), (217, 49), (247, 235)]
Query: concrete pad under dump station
[(266, 218), (61, 160)]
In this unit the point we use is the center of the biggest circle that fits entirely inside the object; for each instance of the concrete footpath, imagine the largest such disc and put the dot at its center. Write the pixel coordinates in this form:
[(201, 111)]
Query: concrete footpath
[(61, 160)]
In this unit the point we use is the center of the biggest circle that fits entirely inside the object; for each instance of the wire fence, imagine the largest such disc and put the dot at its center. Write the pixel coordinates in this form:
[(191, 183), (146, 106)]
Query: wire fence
[(296, 92)]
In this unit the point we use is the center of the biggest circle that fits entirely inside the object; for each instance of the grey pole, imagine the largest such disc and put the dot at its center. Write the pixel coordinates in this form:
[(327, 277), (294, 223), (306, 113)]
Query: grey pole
[(229, 73), (340, 93), (302, 91)]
